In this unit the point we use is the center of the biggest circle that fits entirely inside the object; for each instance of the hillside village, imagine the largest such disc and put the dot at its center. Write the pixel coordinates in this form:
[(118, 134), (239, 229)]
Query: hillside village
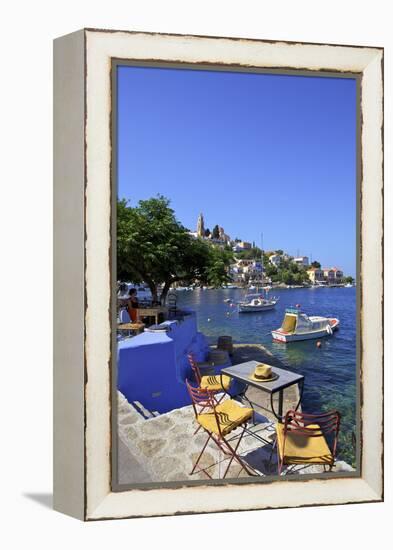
[(276, 268)]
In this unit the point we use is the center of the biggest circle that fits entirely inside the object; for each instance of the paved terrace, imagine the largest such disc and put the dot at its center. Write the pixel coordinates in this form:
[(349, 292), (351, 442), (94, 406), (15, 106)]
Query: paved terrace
[(164, 448)]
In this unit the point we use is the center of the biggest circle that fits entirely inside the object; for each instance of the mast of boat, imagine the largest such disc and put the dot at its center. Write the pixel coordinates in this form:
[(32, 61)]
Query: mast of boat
[(263, 294)]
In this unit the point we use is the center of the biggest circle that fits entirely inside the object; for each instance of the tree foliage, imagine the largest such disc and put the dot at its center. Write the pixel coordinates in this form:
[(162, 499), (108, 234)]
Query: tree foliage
[(254, 253), (216, 232), (154, 247)]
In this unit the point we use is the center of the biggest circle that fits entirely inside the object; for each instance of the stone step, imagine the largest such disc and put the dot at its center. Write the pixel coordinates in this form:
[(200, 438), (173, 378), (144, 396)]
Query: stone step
[(143, 411)]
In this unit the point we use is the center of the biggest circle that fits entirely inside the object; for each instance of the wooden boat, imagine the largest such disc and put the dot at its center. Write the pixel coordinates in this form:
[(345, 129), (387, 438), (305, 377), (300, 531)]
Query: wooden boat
[(299, 326)]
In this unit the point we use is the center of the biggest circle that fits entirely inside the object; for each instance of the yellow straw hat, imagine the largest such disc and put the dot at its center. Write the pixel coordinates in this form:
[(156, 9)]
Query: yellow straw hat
[(263, 373)]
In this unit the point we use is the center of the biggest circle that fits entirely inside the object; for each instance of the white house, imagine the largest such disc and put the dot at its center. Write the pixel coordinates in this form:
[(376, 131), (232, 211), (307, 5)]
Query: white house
[(275, 259), (301, 260)]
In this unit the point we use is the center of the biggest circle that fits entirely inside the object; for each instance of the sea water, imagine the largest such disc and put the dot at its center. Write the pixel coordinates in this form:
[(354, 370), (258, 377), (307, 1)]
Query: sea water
[(330, 370)]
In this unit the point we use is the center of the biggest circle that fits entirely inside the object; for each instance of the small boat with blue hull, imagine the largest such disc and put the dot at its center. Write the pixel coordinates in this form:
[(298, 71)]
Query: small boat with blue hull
[(299, 326)]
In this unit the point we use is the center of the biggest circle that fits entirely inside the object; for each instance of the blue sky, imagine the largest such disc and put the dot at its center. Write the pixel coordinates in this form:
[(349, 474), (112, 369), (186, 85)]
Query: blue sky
[(255, 153)]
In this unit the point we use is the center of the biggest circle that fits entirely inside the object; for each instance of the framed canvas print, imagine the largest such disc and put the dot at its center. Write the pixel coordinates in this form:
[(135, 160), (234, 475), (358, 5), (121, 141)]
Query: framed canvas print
[(218, 274)]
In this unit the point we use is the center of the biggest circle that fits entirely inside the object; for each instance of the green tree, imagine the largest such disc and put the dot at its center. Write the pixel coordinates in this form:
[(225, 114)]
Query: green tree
[(207, 232), (286, 277), (250, 254), (216, 232), (270, 270), (216, 270), (317, 265), (244, 254), (154, 247)]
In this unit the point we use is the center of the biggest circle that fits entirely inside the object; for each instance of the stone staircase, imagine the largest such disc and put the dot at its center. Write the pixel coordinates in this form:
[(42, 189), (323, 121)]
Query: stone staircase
[(143, 411)]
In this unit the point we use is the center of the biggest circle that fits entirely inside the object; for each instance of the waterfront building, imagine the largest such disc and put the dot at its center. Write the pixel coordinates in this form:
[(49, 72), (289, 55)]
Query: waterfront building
[(301, 260), (338, 275), (333, 275), (328, 275), (315, 275), (246, 269), (244, 263)]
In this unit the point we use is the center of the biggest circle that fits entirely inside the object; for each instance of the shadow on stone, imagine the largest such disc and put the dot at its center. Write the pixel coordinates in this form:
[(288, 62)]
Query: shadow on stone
[(262, 460)]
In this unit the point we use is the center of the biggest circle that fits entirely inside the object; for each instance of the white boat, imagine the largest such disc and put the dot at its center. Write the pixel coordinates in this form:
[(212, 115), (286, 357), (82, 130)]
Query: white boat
[(256, 303), (299, 326), (348, 285)]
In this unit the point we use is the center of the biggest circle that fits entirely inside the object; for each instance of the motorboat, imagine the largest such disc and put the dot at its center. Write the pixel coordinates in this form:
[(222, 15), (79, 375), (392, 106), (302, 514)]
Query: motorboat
[(256, 303), (299, 326), (348, 285)]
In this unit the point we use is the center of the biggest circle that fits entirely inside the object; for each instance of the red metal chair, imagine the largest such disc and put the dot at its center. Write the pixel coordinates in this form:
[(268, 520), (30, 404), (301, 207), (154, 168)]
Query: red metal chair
[(215, 383), (219, 420), (307, 438)]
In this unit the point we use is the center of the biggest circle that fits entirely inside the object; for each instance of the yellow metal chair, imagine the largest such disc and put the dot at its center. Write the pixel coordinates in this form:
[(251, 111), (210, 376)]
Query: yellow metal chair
[(218, 420), (307, 439)]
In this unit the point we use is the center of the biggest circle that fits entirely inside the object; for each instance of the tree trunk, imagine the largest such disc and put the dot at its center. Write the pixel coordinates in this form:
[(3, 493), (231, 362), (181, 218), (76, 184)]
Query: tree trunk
[(153, 289), (165, 291)]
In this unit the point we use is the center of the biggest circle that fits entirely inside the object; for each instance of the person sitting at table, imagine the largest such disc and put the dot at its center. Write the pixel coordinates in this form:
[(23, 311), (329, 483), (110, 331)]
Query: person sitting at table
[(132, 304)]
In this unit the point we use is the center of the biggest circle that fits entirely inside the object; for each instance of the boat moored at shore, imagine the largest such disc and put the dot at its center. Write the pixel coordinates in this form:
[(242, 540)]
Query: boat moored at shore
[(299, 326)]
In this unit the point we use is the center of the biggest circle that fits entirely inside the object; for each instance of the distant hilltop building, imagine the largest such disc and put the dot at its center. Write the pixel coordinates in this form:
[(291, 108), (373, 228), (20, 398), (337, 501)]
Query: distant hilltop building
[(242, 245), (223, 236), (201, 226), (301, 260), (275, 259), (217, 236)]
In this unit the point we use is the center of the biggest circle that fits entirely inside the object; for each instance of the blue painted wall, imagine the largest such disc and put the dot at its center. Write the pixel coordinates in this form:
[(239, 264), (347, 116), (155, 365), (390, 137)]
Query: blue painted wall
[(152, 367)]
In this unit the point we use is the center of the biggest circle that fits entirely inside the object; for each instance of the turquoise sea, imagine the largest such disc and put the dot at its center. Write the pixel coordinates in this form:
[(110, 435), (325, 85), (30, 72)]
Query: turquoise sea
[(330, 371)]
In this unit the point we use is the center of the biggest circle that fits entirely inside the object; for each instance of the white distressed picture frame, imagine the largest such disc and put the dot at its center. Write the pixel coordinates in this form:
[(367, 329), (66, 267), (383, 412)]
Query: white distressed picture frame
[(82, 291)]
